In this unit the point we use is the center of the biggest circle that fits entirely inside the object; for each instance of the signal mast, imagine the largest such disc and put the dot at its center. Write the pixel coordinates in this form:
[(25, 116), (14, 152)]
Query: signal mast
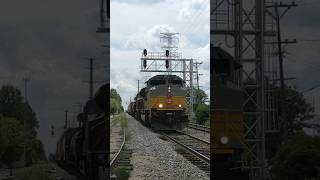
[(169, 61)]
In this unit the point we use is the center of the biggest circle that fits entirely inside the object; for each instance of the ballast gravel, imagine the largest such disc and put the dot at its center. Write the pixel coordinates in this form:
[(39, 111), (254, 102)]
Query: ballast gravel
[(155, 159)]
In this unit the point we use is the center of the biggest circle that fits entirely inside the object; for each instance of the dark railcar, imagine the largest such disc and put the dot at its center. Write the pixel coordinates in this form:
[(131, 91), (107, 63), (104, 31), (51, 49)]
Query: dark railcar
[(85, 150)]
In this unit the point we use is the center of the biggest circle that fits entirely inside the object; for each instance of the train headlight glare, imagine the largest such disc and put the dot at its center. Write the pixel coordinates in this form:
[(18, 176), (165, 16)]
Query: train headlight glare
[(160, 105), (180, 105), (224, 139)]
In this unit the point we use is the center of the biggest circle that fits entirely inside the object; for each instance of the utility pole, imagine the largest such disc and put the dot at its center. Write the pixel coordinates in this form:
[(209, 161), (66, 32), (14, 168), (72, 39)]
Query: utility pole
[(197, 64), (26, 80), (91, 78), (138, 87), (104, 6), (280, 42), (66, 120), (277, 17)]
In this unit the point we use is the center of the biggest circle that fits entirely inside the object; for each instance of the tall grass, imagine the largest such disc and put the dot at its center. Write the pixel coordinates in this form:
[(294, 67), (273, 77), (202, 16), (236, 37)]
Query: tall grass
[(37, 172), (122, 120)]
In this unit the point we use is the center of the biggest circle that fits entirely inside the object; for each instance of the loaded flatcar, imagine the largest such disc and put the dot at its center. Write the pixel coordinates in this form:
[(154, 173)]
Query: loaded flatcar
[(226, 116), (161, 105)]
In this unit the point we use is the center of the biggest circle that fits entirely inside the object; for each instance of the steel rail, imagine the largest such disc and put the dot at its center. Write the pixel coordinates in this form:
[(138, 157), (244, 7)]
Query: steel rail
[(120, 149), (195, 153), (194, 137), (199, 127)]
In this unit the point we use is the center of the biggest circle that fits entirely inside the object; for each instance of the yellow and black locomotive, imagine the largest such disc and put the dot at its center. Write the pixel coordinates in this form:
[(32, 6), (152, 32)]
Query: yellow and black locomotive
[(226, 116), (162, 103)]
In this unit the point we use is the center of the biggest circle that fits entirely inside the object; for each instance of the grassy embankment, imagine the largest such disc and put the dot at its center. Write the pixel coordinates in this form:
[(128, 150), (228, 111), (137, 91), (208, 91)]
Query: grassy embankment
[(121, 120)]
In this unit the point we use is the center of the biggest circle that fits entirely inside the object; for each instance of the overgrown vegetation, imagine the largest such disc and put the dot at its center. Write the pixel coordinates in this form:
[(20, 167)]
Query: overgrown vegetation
[(37, 172), (298, 159), (18, 128), (202, 114), (121, 119), (115, 102), (200, 107), (122, 173)]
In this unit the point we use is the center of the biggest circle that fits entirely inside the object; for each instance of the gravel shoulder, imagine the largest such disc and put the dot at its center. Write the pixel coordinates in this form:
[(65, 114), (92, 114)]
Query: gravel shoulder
[(154, 158)]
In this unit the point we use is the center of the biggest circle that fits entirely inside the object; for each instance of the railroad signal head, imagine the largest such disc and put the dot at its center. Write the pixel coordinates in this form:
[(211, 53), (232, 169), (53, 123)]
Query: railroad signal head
[(167, 64), (144, 63), (167, 53), (145, 52)]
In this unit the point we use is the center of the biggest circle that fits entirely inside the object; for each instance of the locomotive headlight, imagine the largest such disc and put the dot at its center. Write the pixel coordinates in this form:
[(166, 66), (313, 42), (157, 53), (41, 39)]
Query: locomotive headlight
[(180, 105), (224, 139), (160, 106)]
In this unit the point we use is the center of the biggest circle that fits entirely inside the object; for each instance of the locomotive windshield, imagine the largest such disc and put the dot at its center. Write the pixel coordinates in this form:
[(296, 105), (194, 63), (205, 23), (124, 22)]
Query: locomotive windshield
[(162, 79)]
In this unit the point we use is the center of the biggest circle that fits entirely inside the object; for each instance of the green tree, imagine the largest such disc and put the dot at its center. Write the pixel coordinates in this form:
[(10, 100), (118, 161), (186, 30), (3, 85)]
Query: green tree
[(113, 106), (114, 94), (297, 111), (200, 96), (12, 136), (202, 113), (298, 159), (115, 102), (12, 105)]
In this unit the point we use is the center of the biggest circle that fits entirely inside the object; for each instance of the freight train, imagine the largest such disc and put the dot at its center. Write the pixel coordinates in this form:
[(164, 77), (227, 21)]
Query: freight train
[(83, 151), (161, 105), (227, 131)]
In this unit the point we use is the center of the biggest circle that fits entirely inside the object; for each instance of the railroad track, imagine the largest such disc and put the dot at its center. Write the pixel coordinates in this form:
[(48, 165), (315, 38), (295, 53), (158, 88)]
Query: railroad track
[(199, 127), (195, 150), (121, 159)]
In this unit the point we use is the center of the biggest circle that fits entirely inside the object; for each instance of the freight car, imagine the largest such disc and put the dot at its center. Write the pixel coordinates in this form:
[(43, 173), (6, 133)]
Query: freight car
[(83, 151), (226, 117), (161, 105)]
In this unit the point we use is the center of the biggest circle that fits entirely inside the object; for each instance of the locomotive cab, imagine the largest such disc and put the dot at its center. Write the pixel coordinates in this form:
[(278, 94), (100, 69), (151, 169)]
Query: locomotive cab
[(226, 114), (162, 103)]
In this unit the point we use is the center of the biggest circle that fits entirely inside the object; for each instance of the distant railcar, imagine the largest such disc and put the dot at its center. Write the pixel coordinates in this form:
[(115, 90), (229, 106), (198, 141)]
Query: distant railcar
[(162, 103)]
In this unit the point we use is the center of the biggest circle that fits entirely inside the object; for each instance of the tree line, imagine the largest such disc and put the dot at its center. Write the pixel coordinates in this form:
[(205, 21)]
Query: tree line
[(18, 129), (115, 102)]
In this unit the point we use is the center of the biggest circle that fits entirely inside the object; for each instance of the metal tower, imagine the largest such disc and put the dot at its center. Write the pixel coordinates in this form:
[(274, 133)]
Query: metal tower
[(246, 30), (157, 62)]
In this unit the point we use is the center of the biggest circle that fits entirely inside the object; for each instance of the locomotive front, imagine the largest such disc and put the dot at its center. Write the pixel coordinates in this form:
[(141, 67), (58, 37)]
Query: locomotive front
[(226, 115), (162, 103)]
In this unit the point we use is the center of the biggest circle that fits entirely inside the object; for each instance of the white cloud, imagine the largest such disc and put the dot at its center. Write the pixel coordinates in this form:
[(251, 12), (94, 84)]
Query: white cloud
[(135, 26)]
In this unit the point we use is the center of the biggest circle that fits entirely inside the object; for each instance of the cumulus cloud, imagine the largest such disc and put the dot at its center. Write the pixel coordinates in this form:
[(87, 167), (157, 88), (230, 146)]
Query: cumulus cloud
[(142, 30)]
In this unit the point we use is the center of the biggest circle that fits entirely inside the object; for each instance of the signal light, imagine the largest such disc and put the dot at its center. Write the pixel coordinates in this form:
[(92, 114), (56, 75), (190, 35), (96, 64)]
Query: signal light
[(167, 53), (144, 63), (145, 52), (167, 64)]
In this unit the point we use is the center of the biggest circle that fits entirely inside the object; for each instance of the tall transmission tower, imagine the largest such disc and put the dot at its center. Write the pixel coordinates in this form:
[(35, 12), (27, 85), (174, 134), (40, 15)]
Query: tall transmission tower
[(244, 28), (171, 62)]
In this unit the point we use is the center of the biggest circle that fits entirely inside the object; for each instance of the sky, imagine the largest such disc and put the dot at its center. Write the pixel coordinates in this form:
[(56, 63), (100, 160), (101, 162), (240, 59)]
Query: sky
[(49, 42), (302, 60), (136, 25)]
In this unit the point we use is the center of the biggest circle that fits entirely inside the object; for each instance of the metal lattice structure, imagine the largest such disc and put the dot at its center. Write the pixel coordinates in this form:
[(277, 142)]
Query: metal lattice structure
[(246, 29), (178, 65), (155, 62)]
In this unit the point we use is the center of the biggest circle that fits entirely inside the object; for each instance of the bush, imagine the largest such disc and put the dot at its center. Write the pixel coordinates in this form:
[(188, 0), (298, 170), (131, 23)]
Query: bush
[(298, 159), (202, 113)]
